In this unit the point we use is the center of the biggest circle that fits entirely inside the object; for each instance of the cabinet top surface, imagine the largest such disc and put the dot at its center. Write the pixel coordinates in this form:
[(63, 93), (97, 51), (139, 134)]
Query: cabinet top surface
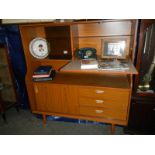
[(75, 67)]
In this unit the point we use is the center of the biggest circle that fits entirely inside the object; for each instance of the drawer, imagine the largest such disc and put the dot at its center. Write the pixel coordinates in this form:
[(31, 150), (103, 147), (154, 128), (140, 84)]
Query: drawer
[(103, 112), (118, 103), (104, 93)]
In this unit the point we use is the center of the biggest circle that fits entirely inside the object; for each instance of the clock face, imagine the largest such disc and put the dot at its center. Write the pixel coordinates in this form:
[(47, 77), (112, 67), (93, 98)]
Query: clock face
[(38, 48)]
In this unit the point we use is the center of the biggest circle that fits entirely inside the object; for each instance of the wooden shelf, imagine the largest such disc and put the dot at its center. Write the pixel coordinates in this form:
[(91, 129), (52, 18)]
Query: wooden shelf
[(115, 81)]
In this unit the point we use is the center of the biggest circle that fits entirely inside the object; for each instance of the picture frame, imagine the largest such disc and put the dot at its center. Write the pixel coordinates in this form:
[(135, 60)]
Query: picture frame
[(115, 47)]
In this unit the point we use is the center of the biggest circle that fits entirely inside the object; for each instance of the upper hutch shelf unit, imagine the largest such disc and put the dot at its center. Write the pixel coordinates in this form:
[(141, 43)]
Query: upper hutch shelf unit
[(103, 97)]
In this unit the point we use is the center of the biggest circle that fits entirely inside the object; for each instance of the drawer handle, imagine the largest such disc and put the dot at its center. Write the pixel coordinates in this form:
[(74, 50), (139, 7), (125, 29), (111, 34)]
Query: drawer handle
[(99, 91), (99, 101), (99, 111)]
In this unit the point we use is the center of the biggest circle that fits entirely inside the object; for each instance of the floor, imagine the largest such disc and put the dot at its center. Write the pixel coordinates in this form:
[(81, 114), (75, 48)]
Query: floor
[(26, 123)]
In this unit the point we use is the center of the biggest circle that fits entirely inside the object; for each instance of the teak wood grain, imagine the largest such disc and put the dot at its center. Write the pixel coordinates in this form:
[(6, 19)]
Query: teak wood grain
[(103, 112), (96, 42), (56, 98), (49, 97), (102, 102), (105, 29), (114, 98), (112, 81)]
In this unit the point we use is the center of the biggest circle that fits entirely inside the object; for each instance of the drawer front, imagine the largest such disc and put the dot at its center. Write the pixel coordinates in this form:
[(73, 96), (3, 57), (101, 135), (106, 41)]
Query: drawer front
[(102, 92), (103, 112), (121, 103)]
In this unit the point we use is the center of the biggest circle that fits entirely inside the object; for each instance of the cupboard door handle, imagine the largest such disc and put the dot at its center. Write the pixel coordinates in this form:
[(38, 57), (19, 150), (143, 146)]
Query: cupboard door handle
[(36, 89), (99, 91), (99, 101), (99, 111)]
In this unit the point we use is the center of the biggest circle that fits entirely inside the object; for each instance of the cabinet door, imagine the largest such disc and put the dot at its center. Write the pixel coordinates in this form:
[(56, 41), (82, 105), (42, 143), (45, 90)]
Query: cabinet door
[(49, 97), (56, 98)]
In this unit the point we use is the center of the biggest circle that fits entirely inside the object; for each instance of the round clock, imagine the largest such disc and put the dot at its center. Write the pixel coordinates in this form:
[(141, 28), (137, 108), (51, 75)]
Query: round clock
[(38, 48)]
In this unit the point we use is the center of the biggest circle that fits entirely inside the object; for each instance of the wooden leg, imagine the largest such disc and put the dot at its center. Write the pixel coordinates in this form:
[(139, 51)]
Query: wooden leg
[(44, 119), (112, 129)]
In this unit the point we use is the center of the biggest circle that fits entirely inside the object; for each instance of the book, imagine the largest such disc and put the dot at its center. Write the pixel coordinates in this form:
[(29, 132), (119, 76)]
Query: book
[(89, 64), (42, 75), (51, 77), (42, 70)]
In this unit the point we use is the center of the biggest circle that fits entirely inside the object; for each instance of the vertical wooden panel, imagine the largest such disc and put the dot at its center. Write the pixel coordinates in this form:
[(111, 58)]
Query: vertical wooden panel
[(40, 31), (96, 42), (41, 97), (75, 40), (27, 34), (105, 29), (71, 99)]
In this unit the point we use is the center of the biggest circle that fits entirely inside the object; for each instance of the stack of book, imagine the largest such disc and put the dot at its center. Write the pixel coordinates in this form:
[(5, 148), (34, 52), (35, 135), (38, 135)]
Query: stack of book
[(43, 73)]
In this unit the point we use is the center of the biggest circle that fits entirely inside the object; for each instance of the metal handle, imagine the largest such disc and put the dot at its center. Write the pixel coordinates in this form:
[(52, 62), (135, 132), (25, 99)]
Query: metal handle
[(99, 101), (99, 111), (99, 91)]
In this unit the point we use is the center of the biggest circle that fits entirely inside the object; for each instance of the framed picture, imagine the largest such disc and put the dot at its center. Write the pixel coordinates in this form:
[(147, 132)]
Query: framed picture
[(115, 47)]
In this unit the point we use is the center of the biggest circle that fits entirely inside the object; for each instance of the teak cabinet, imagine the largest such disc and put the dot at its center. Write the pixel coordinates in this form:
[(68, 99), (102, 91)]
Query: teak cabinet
[(91, 99), (95, 95)]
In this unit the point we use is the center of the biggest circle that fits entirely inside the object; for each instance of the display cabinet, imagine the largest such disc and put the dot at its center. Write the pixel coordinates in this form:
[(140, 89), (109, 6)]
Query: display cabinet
[(8, 96), (142, 114), (96, 95)]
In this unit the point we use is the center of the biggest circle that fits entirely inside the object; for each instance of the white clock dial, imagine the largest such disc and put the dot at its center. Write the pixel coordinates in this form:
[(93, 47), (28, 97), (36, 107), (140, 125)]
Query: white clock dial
[(38, 48)]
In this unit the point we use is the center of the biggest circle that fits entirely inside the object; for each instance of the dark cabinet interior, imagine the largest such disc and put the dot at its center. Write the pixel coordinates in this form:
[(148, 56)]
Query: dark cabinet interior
[(59, 42), (142, 116)]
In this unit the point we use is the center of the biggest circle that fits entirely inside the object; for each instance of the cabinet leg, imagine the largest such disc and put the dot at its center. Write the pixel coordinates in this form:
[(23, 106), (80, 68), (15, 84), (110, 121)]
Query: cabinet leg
[(44, 119), (112, 129)]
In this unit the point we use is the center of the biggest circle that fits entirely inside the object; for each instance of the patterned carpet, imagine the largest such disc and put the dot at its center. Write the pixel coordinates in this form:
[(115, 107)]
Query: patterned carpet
[(26, 123)]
